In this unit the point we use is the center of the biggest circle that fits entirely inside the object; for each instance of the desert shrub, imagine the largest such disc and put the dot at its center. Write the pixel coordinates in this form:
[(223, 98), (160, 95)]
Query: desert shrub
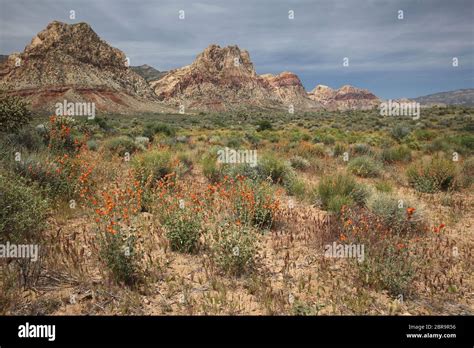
[(402, 216), (388, 263), (121, 256), (383, 186), (264, 125), (300, 163), (142, 142), (153, 128), (234, 248), (274, 168), (254, 204), (28, 138), (234, 142), (23, 211), (183, 230), (365, 167), (295, 186), (361, 149), (339, 149), (336, 189), (399, 132), (467, 173), (433, 174), (396, 154), (121, 145), (92, 145), (326, 139), (60, 137), (211, 169), (54, 178), (152, 165), (309, 150), (14, 113)]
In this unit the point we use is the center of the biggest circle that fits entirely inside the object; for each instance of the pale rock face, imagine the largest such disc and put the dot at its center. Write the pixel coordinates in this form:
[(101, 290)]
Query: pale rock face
[(345, 98), (289, 89), (218, 79), (71, 61)]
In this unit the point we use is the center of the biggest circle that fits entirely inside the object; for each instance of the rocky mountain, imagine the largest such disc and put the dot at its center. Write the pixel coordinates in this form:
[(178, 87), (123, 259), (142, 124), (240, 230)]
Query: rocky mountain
[(219, 79), (149, 73), (289, 89), (345, 98), (223, 78), (458, 97), (70, 61), (3, 58)]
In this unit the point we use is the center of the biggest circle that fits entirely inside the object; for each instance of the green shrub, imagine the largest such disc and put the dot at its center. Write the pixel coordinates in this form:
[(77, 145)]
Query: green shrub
[(14, 113), (23, 211), (274, 168), (264, 125), (365, 167), (334, 189), (393, 213), (121, 256), (28, 138), (152, 165), (151, 129), (92, 145), (299, 162), (183, 230), (210, 168), (383, 186), (339, 149), (361, 149), (253, 207), (396, 154), (467, 173), (399, 132), (57, 181), (234, 249), (121, 145), (432, 174)]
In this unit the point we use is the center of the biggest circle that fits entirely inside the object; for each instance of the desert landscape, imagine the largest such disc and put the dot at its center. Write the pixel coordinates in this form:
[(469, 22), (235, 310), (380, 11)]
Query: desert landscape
[(210, 189)]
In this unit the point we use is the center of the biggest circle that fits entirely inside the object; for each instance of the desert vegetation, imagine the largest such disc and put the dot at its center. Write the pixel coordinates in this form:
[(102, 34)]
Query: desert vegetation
[(137, 215)]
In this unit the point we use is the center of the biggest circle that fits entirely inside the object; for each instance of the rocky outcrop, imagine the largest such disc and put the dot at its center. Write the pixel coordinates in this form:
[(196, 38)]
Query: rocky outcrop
[(289, 89), (219, 79), (149, 73), (71, 61), (345, 98)]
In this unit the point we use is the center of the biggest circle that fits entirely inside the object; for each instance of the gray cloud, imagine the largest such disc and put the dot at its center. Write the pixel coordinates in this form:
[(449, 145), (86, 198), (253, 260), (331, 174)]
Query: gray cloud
[(382, 49)]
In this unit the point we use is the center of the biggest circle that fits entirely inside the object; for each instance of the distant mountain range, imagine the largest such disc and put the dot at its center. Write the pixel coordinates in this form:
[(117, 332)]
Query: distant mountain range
[(70, 61), (148, 72), (458, 97)]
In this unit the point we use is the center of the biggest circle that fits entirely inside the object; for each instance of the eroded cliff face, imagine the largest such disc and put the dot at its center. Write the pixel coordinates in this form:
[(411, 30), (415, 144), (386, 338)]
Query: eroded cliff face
[(70, 61), (345, 98)]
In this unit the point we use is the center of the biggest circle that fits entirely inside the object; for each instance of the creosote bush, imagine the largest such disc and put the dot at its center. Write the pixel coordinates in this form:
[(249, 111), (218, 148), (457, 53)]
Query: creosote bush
[(23, 211), (433, 174), (365, 167)]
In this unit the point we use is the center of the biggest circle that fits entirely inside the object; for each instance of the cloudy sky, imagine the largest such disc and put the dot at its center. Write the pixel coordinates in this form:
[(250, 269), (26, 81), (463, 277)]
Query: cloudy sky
[(391, 57)]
